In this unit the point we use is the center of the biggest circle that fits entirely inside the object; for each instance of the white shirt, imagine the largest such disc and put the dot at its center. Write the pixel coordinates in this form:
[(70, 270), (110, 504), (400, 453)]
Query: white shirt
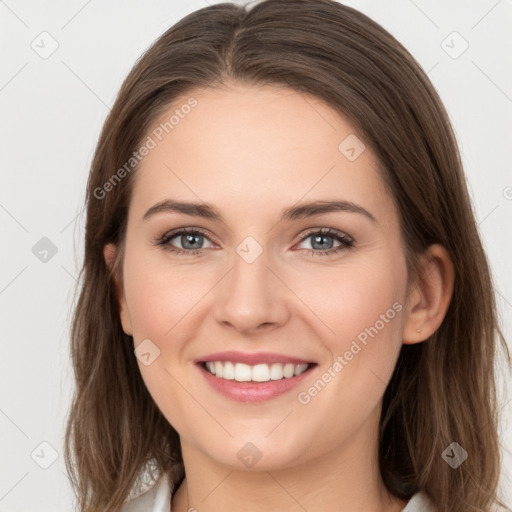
[(158, 499)]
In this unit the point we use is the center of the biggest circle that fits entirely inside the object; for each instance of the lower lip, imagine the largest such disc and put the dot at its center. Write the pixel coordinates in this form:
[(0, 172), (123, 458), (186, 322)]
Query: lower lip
[(253, 391)]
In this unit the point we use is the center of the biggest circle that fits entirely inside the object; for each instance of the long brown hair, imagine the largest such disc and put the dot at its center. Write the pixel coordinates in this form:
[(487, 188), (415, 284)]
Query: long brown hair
[(442, 390)]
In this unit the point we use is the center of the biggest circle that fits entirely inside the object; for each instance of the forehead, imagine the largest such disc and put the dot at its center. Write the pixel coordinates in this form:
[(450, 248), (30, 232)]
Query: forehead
[(241, 147)]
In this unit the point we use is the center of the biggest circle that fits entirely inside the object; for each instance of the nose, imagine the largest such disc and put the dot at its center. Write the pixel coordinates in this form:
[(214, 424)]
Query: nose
[(252, 297)]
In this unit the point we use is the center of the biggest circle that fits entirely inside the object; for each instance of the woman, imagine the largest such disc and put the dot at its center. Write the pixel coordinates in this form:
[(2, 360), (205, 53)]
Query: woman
[(221, 363)]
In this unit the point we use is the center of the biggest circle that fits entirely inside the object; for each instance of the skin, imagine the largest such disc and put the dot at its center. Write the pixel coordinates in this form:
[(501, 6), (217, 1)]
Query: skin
[(251, 152)]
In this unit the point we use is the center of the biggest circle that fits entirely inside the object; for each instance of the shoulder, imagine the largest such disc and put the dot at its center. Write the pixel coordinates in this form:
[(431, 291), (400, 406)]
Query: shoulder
[(155, 499)]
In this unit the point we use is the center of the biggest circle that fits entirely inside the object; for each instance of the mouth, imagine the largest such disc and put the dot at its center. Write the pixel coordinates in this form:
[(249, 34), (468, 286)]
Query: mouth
[(253, 377)]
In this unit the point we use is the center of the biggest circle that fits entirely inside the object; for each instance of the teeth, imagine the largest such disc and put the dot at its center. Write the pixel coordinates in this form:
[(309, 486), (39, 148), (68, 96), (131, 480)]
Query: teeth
[(261, 373), (276, 371), (257, 373), (243, 372), (228, 372), (288, 371)]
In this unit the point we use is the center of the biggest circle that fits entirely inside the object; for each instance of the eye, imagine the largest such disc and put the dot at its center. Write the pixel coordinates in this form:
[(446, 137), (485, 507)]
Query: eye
[(191, 241), (322, 244)]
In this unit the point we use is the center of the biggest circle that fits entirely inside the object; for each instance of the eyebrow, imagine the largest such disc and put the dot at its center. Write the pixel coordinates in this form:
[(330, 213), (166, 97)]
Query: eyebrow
[(300, 211)]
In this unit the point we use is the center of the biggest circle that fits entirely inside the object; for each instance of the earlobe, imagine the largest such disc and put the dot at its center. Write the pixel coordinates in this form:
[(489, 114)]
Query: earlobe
[(430, 295), (110, 255)]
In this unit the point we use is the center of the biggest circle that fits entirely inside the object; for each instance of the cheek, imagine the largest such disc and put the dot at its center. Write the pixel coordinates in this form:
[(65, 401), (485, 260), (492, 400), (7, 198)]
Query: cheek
[(160, 300), (355, 299), (159, 296)]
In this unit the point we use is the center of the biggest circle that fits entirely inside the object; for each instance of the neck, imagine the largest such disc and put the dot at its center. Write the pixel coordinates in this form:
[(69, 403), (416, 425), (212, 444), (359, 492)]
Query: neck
[(347, 479)]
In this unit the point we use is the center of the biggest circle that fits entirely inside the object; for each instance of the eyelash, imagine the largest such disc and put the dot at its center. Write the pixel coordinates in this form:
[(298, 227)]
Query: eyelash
[(346, 241)]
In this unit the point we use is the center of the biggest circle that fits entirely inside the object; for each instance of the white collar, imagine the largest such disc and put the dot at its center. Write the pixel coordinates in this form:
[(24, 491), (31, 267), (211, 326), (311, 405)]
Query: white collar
[(158, 499)]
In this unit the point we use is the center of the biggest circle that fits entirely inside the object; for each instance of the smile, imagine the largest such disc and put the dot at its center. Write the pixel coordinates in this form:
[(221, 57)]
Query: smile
[(254, 377), (258, 373)]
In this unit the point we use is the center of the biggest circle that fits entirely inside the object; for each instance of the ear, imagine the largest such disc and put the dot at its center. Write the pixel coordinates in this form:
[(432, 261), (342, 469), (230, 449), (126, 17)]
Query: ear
[(429, 295), (110, 253)]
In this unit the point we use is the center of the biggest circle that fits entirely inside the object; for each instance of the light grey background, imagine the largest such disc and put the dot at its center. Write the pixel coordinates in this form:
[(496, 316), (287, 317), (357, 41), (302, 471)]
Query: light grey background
[(52, 112)]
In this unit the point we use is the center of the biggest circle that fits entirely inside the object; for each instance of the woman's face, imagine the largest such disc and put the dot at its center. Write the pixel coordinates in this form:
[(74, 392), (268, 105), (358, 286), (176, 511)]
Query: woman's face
[(262, 285)]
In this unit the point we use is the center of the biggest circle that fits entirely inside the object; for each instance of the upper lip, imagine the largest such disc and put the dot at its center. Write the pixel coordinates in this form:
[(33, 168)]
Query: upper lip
[(252, 358)]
